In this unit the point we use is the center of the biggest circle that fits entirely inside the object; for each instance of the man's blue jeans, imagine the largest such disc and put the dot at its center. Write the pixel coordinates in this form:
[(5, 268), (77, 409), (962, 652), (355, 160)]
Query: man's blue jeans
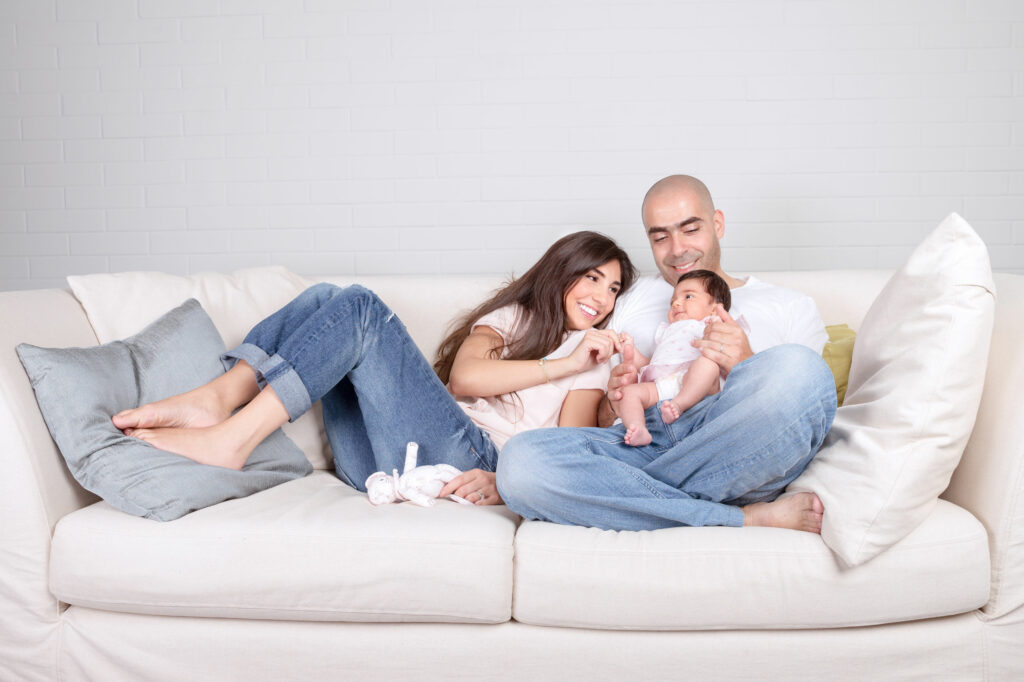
[(743, 445), (344, 347)]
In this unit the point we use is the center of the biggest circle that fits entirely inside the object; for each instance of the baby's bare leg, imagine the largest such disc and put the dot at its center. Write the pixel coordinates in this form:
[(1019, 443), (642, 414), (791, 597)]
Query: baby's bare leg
[(635, 399), (700, 381)]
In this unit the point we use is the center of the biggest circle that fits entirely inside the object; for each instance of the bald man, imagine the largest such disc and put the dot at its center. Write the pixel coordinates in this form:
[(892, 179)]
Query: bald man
[(726, 460)]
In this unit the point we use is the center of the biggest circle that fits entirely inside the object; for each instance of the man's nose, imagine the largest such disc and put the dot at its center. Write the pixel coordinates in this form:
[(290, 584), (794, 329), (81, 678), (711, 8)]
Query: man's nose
[(678, 243)]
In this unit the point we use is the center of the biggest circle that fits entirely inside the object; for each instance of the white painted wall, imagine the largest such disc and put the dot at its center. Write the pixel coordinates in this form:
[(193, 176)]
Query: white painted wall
[(407, 136)]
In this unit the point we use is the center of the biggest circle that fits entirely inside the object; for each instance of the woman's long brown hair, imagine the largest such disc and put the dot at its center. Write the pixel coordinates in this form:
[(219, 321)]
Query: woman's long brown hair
[(541, 293)]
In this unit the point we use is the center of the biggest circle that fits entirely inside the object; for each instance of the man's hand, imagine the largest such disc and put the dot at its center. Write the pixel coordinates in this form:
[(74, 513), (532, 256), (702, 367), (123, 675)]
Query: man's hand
[(724, 342), (621, 375)]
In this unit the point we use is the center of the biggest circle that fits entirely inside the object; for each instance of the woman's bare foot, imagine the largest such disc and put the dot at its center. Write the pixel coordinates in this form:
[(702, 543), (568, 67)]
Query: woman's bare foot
[(207, 405), (637, 435), (669, 412), (196, 409), (213, 445), (227, 444), (801, 511)]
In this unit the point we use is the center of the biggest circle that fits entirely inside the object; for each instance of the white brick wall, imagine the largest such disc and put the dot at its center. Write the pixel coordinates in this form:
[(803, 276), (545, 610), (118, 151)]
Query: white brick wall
[(401, 136)]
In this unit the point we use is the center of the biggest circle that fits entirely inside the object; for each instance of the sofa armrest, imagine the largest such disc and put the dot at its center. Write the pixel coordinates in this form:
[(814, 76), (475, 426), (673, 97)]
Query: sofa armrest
[(52, 318), (989, 482), (36, 489)]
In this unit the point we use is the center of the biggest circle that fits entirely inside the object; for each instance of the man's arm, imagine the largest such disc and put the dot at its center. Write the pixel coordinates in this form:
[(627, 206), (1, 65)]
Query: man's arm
[(605, 413), (806, 326)]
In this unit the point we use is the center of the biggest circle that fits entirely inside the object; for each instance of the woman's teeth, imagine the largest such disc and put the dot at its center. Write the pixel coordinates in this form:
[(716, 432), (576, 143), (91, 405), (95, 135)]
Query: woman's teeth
[(587, 310)]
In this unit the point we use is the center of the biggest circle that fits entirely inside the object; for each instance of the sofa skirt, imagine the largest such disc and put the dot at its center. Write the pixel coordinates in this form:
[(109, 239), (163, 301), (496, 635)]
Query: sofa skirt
[(108, 645)]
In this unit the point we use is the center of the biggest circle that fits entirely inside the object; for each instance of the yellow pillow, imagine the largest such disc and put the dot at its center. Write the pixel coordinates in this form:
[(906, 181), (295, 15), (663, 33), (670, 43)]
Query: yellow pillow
[(838, 354)]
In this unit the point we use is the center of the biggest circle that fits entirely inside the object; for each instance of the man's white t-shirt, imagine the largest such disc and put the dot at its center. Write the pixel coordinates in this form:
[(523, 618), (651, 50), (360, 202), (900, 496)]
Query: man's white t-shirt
[(775, 315)]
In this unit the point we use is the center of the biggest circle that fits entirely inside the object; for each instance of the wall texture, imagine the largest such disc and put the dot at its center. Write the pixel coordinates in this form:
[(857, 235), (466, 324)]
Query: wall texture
[(412, 136)]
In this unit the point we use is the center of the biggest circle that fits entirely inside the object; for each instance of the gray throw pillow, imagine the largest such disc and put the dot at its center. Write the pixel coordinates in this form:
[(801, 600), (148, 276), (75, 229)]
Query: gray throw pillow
[(78, 389)]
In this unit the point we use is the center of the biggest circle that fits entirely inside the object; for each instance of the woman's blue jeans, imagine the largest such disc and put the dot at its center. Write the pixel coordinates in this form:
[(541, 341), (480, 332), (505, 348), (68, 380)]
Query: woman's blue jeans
[(742, 445), (346, 348)]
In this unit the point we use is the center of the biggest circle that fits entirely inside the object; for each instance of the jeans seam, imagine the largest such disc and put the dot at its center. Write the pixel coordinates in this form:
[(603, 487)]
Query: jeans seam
[(330, 323), (455, 412), (736, 465), (631, 470)]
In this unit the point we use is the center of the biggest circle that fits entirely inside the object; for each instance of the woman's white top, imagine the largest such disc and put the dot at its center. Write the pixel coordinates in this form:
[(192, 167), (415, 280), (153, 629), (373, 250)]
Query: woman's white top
[(537, 406)]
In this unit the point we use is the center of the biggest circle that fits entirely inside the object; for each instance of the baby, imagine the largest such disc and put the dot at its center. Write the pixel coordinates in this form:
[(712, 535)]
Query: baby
[(676, 373)]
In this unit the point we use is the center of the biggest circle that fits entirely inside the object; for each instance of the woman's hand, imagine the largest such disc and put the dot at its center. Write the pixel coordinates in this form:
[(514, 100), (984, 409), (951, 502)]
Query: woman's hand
[(724, 342), (597, 346), (476, 486)]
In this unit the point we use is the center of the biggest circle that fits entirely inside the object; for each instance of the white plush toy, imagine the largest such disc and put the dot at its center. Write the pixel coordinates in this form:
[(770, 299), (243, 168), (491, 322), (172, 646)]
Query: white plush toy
[(419, 485)]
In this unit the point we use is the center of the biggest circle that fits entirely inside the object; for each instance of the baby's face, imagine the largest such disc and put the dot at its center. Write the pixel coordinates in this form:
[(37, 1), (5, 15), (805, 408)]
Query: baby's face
[(690, 302)]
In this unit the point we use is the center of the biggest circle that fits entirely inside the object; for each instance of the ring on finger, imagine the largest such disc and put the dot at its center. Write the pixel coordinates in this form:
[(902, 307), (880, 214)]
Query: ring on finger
[(481, 494)]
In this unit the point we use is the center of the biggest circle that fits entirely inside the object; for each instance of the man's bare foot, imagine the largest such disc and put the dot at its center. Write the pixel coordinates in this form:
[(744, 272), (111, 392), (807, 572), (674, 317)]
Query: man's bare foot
[(637, 435), (669, 412), (801, 511), (196, 409), (214, 445)]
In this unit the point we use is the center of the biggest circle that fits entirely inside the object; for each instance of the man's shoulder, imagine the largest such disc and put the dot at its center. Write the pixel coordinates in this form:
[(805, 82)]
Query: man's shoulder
[(757, 289), (640, 309)]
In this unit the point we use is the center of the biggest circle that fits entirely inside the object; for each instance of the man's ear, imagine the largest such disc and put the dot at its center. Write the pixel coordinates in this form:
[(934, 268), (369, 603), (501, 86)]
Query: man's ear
[(719, 223)]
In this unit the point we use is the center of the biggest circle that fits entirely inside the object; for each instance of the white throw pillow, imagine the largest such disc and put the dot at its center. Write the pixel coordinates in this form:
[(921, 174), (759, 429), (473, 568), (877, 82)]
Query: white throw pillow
[(915, 384), (120, 304)]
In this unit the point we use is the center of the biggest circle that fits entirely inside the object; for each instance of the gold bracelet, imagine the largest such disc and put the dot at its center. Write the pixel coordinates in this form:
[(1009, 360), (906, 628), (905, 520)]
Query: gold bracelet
[(544, 369)]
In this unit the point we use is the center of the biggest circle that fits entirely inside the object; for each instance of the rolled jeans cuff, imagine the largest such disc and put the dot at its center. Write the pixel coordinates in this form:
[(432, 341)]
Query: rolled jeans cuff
[(275, 371), (734, 517)]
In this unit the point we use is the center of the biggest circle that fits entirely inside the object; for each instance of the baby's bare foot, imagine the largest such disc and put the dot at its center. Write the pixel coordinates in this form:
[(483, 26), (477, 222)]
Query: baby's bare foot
[(192, 410), (637, 435), (214, 445), (669, 412), (801, 511)]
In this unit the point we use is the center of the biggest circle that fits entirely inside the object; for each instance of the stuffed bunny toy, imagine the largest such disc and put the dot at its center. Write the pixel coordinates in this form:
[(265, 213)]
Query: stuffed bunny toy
[(420, 485)]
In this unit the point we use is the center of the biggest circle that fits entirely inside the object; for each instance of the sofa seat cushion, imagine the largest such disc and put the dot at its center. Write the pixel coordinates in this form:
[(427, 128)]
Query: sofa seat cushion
[(744, 578), (310, 549)]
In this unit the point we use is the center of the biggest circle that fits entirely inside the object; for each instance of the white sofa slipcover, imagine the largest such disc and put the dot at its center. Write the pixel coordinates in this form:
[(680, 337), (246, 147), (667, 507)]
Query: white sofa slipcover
[(308, 581)]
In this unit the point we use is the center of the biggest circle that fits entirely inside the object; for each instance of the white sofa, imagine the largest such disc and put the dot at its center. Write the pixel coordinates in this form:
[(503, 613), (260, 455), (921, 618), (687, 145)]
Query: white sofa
[(308, 581)]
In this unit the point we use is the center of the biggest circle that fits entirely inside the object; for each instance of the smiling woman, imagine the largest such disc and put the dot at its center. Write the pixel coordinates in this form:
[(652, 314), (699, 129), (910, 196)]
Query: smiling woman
[(540, 338), (593, 296)]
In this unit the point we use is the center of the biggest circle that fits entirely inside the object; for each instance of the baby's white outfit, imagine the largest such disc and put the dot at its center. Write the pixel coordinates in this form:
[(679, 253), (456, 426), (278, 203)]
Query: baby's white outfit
[(673, 355)]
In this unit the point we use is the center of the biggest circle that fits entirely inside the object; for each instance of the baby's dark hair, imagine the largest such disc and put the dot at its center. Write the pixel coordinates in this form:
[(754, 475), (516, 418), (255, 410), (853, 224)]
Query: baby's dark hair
[(713, 284)]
